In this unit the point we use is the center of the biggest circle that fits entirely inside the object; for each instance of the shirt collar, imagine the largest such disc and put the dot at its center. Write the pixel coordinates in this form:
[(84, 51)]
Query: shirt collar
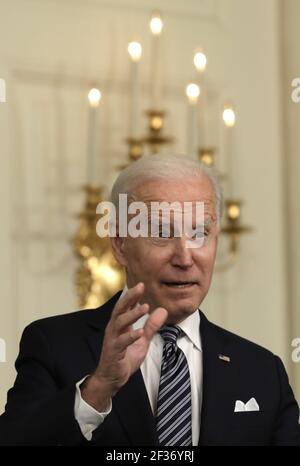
[(190, 326)]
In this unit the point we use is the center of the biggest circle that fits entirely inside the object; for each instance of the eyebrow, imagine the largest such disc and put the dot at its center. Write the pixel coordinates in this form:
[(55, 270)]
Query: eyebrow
[(207, 223)]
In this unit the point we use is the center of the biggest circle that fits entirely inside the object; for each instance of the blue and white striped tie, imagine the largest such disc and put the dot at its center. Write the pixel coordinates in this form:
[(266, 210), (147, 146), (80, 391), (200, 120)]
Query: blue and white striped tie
[(174, 407)]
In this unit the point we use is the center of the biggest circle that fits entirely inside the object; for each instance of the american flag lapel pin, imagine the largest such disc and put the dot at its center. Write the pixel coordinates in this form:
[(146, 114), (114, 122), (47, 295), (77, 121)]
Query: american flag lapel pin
[(224, 358)]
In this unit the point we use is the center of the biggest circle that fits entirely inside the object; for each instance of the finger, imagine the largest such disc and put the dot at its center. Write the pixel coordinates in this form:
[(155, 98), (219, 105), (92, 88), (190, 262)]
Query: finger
[(127, 339), (155, 321), (129, 318), (129, 300)]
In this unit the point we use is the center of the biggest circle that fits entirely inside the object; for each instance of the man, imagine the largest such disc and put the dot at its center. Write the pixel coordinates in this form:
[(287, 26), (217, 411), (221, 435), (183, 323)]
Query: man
[(148, 368)]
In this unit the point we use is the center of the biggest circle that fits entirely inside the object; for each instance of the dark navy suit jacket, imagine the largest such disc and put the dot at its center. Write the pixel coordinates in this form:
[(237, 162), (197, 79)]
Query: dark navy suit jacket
[(57, 352)]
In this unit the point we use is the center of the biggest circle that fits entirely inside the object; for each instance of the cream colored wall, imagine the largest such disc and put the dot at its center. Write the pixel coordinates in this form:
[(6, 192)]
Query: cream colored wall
[(291, 160), (50, 53)]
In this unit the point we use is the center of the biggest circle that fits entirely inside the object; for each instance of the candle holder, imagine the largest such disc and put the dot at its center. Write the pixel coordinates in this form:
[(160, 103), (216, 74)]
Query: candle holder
[(135, 148), (98, 276), (155, 138), (233, 227), (135, 151), (206, 156)]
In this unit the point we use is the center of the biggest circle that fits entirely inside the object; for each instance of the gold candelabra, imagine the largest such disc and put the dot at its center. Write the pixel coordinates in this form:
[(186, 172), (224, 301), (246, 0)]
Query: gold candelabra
[(156, 137), (206, 156), (233, 228), (98, 276)]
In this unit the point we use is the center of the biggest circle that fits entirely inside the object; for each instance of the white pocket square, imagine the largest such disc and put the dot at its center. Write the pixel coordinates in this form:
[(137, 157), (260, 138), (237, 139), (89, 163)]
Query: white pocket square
[(251, 405)]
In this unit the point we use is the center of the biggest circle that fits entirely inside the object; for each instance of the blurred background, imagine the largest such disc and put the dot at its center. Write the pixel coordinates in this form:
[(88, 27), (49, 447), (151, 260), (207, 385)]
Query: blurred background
[(62, 146)]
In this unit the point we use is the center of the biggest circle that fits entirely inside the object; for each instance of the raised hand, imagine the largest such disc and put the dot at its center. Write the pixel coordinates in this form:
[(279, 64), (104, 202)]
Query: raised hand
[(124, 348)]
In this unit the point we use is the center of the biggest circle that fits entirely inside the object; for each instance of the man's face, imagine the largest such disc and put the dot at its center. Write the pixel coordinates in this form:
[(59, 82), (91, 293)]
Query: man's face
[(176, 277)]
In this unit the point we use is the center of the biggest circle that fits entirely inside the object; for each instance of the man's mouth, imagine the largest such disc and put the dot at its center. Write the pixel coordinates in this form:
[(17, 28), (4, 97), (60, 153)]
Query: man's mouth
[(179, 284)]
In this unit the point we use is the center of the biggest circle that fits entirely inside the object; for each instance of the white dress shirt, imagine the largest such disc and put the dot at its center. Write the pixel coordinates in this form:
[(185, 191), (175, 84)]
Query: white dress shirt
[(190, 343)]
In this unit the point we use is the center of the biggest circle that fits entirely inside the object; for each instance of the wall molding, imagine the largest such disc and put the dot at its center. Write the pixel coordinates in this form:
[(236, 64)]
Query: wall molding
[(206, 10)]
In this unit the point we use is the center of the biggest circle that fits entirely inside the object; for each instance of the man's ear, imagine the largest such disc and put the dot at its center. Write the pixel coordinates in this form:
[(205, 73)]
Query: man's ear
[(117, 244)]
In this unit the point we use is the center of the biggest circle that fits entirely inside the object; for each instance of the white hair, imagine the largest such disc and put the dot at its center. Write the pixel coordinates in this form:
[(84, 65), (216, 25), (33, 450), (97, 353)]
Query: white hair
[(164, 166)]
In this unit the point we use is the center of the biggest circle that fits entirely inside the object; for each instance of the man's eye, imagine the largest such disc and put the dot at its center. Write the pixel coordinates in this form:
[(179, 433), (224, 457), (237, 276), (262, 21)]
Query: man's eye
[(201, 233), (198, 234)]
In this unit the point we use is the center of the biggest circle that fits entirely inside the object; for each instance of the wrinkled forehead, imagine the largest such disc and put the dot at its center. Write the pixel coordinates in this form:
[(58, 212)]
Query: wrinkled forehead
[(187, 192)]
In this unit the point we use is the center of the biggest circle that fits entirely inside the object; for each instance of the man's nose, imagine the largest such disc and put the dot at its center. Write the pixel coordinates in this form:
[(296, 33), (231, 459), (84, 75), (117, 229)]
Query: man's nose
[(182, 254)]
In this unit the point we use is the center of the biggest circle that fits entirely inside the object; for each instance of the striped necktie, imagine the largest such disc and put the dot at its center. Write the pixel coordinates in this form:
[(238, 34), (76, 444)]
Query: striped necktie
[(174, 407)]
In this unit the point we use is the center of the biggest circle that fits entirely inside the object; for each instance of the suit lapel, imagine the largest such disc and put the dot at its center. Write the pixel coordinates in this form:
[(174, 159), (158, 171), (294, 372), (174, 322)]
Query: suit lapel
[(131, 404), (97, 323), (219, 380), (134, 411)]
